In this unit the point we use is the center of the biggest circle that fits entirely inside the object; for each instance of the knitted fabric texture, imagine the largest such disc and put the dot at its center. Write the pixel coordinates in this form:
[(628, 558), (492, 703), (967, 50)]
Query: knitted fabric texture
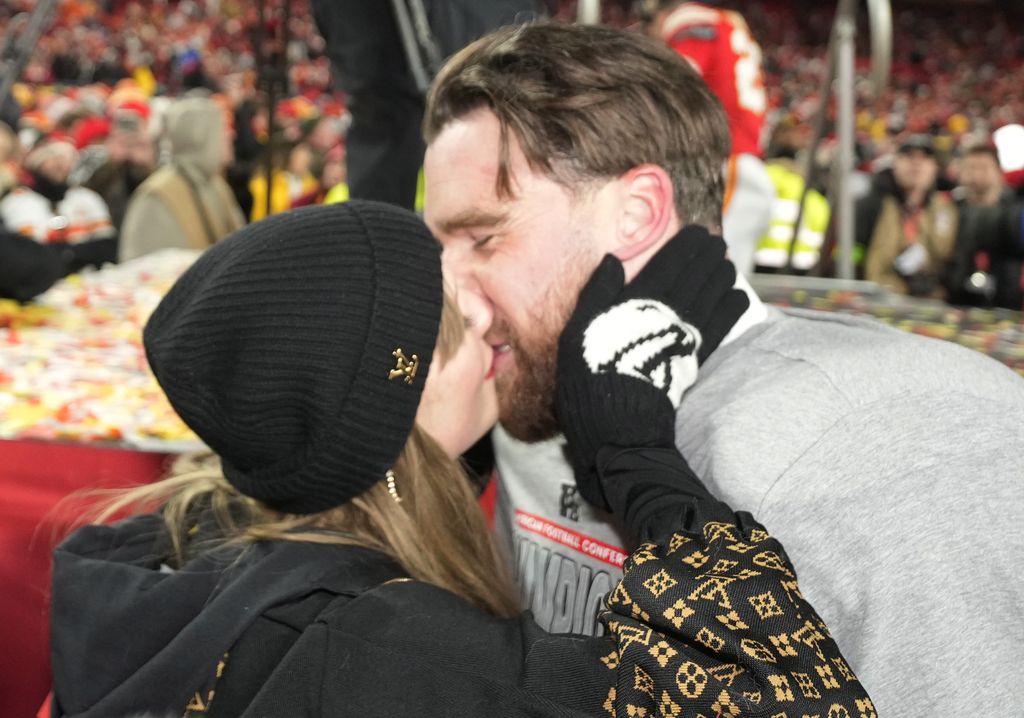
[(714, 624), (279, 348)]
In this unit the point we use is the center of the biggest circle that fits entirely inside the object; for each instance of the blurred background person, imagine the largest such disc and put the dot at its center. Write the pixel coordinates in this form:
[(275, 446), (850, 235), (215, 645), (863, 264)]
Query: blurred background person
[(89, 133), (719, 45), (905, 227), (370, 66), (378, 74), (9, 156), (782, 249), (48, 230), (44, 207), (985, 269), (187, 203), (334, 178), (247, 116), (130, 158), (292, 180), (27, 268)]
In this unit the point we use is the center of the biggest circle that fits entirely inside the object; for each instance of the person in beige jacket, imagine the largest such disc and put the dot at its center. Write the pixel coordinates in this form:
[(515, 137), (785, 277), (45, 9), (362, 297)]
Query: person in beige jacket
[(187, 203), (906, 229)]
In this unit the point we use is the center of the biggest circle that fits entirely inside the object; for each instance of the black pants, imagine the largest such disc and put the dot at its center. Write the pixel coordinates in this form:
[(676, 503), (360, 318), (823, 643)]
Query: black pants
[(385, 147)]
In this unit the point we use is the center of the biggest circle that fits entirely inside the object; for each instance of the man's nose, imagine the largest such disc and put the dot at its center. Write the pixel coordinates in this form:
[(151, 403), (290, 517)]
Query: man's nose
[(457, 268), (476, 309)]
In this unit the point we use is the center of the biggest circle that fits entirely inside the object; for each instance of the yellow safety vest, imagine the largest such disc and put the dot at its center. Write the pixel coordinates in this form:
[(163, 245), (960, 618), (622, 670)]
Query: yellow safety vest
[(337, 194), (773, 248)]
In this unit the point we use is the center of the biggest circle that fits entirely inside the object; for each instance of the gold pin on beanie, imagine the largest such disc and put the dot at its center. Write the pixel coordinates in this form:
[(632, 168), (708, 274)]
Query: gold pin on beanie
[(278, 347)]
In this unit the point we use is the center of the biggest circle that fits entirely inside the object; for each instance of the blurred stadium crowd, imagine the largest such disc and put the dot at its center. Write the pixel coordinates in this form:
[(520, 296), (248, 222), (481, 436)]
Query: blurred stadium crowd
[(101, 81)]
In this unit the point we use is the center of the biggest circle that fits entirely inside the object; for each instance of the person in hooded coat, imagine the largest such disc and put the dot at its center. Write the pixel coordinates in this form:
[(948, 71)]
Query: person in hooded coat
[(188, 203), (330, 557)]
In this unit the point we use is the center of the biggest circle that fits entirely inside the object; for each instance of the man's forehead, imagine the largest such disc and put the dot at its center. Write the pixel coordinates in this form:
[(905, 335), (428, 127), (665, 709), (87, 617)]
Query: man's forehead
[(458, 199), (472, 141), (461, 172)]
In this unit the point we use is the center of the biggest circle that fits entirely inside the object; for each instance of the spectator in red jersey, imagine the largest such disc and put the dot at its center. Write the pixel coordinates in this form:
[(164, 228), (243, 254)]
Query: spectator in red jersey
[(48, 230), (720, 47), (46, 209)]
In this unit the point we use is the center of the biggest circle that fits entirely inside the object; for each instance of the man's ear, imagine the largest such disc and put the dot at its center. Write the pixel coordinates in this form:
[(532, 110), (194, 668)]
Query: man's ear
[(646, 213)]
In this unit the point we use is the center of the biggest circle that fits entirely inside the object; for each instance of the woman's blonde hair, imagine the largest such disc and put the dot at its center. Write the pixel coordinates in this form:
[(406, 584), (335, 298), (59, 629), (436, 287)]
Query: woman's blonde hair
[(437, 533)]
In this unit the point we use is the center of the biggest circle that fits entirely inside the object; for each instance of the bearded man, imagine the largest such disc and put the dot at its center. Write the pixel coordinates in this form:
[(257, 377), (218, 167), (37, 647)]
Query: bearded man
[(550, 146)]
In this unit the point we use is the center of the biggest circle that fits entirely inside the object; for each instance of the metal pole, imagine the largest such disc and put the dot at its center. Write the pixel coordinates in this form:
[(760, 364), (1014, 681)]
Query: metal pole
[(846, 29), (880, 19), (588, 12), (19, 45), (880, 16), (807, 165)]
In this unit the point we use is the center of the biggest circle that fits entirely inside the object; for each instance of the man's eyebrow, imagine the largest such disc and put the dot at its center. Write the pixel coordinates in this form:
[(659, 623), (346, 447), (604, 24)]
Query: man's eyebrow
[(472, 218)]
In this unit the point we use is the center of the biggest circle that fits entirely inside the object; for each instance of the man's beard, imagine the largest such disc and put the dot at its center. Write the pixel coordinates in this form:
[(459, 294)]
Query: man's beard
[(526, 399), (526, 396)]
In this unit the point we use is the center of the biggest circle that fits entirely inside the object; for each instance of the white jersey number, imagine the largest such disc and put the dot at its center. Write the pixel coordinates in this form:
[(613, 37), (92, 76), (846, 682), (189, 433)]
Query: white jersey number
[(749, 81)]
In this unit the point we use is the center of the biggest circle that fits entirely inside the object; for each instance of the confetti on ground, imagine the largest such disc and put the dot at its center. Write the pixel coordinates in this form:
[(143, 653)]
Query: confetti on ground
[(996, 332), (72, 366)]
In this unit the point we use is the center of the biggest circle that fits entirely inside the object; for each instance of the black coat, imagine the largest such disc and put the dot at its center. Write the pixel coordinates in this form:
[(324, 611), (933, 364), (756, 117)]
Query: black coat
[(302, 629), (28, 268), (298, 629), (995, 231)]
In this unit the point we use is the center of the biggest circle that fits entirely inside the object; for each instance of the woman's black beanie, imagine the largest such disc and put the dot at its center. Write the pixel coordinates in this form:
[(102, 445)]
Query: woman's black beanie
[(297, 349)]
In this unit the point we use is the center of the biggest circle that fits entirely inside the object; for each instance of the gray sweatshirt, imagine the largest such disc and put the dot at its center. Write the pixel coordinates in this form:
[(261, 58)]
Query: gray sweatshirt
[(890, 466)]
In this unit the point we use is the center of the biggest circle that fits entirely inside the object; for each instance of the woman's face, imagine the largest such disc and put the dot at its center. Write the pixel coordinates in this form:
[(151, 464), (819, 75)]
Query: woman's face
[(459, 404)]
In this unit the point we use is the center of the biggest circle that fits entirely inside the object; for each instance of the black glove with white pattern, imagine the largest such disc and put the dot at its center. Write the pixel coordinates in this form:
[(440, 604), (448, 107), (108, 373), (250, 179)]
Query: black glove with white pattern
[(630, 351)]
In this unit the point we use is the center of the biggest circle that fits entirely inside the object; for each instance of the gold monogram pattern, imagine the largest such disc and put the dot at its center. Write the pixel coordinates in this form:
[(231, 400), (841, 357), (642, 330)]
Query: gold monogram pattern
[(662, 653), (731, 633), (659, 583), (405, 367), (203, 699)]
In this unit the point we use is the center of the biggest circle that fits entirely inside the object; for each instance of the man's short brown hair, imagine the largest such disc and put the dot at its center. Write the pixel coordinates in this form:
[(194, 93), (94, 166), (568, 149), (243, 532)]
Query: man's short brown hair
[(589, 103)]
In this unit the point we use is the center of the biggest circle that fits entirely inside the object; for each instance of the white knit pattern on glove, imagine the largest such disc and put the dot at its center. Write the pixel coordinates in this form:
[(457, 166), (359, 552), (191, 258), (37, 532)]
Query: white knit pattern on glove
[(645, 339)]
